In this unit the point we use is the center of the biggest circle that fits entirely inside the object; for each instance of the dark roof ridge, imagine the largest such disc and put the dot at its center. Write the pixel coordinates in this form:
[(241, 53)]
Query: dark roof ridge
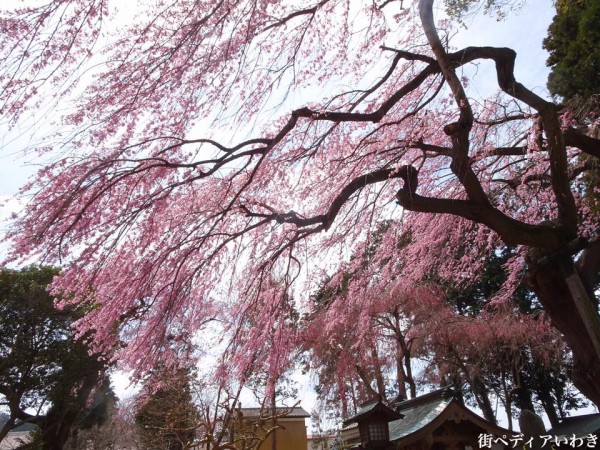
[(446, 392), (580, 416), (370, 408), (375, 399), (578, 425)]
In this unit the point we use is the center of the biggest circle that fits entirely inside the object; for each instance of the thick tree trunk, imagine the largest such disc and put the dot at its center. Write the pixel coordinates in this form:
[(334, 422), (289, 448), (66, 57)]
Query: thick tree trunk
[(56, 428), (522, 398), (274, 423), (555, 282), (480, 392), (409, 376), (400, 375), (378, 374), (16, 413), (549, 408), (507, 401), (564, 294)]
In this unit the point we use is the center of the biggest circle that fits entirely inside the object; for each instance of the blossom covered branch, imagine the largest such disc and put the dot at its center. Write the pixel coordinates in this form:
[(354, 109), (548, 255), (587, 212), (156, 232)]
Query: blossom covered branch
[(200, 180)]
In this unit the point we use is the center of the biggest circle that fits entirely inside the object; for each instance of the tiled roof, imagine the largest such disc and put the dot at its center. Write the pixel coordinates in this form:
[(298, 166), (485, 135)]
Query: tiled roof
[(419, 412), (370, 408), (578, 426), (425, 414), (25, 427), (367, 406)]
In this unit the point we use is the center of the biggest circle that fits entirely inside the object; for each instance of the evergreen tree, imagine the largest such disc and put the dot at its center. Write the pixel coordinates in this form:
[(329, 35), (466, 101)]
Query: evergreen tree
[(168, 419), (43, 367), (574, 45)]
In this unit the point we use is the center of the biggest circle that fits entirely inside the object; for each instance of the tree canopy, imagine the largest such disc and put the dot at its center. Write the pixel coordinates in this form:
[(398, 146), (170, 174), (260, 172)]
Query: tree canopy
[(47, 377), (440, 333), (215, 161), (573, 42), (167, 417)]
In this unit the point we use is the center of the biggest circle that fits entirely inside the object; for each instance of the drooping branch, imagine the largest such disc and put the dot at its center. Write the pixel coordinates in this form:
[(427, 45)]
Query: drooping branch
[(170, 211), (324, 221), (366, 380), (302, 12), (410, 56), (509, 151), (504, 59), (512, 231), (588, 266), (586, 144), (461, 166), (446, 66)]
